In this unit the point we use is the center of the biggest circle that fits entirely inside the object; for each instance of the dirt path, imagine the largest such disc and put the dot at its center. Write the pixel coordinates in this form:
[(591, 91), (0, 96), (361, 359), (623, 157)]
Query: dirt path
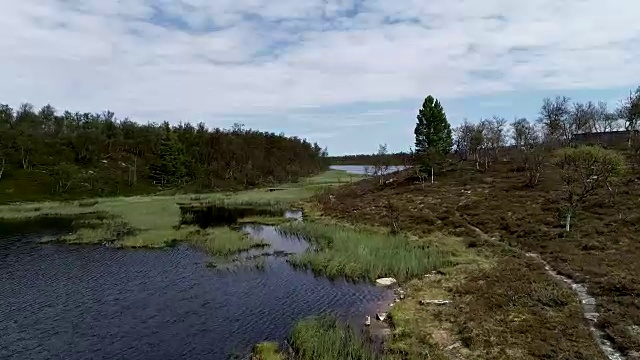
[(588, 303)]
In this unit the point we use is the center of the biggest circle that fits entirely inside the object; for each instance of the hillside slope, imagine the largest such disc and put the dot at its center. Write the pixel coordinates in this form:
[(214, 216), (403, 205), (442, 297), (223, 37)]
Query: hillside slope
[(602, 251)]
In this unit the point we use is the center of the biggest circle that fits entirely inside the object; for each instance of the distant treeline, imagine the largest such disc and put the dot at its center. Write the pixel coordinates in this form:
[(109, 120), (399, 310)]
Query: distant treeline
[(46, 154), (397, 159)]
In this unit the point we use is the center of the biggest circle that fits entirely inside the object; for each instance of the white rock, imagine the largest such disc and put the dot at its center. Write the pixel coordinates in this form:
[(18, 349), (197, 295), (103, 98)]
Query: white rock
[(367, 320), (386, 281), (437, 302), (381, 316)]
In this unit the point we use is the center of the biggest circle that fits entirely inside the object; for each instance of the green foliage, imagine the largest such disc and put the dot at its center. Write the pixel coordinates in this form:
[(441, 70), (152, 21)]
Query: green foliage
[(432, 131), (358, 254), (170, 167), (585, 169), (324, 338), (266, 351), (63, 176), (44, 154)]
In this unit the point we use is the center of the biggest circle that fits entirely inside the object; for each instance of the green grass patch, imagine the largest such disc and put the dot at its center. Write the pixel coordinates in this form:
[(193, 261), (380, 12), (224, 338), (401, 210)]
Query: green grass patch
[(153, 219), (361, 254), (324, 338), (222, 241), (266, 351)]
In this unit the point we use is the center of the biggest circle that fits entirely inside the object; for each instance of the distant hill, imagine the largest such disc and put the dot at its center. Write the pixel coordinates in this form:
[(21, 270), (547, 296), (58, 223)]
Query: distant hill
[(396, 159)]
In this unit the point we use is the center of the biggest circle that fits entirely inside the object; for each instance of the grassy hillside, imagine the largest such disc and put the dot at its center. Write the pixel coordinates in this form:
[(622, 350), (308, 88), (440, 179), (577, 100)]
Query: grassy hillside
[(510, 307)]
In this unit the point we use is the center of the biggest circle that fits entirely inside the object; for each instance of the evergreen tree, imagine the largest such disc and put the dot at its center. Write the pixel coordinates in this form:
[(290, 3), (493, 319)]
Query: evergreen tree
[(433, 134), (170, 167)]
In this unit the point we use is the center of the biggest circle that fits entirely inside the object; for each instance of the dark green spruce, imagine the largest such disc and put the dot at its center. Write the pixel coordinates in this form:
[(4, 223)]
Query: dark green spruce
[(433, 135)]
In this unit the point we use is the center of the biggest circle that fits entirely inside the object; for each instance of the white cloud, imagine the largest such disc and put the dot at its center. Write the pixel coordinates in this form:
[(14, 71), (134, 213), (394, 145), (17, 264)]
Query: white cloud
[(253, 56)]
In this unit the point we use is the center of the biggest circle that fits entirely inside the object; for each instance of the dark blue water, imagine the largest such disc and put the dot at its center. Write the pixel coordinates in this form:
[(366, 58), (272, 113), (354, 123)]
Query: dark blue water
[(73, 302)]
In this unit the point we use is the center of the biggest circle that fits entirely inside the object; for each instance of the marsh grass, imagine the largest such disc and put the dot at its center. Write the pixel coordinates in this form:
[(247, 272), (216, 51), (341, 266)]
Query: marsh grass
[(324, 338), (266, 351), (222, 241), (151, 221), (361, 254)]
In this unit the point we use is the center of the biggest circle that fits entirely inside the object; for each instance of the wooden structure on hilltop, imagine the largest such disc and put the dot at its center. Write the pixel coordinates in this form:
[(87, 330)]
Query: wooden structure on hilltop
[(608, 138)]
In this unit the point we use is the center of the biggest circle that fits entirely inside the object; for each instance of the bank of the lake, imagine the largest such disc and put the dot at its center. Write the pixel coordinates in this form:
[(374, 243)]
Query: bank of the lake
[(152, 221)]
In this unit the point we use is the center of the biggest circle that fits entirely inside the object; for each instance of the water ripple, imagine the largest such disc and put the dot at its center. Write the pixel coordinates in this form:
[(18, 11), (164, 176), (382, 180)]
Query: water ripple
[(86, 302)]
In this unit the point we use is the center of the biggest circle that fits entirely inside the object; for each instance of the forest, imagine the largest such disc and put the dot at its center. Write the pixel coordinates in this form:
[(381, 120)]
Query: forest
[(45, 154)]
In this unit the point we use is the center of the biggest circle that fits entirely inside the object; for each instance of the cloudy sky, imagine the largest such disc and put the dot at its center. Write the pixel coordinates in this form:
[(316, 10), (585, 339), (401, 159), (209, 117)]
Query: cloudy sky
[(348, 74)]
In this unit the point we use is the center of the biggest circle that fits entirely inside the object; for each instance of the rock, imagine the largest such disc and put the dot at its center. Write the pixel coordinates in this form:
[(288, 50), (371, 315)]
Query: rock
[(453, 346), (386, 281), (401, 296), (367, 320), (381, 316), (437, 302), (589, 301), (591, 316)]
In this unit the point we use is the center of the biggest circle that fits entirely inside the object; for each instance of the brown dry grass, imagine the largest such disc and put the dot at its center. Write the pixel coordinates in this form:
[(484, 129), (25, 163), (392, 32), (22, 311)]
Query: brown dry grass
[(601, 251)]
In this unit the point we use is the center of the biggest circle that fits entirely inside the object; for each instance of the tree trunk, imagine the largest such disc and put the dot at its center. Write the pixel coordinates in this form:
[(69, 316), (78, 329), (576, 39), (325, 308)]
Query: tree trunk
[(432, 174), (2, 168), (568, 224), (135, 170), (25, 159)]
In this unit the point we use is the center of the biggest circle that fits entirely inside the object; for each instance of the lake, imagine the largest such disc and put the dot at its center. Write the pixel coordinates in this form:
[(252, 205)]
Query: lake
[(361, 169), (93, 302)]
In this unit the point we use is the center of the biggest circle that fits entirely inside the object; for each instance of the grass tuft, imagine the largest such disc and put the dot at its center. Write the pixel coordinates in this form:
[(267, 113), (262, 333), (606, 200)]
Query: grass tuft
[(222, 241), (324, 338), (358, 254), (266, 351)]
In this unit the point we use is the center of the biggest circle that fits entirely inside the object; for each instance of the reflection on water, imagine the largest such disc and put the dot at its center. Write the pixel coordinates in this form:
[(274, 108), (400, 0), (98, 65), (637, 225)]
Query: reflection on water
[(362, 169), (72, 302)]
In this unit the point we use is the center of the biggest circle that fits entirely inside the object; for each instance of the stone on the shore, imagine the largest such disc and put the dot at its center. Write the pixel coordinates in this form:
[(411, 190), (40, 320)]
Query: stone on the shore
[(367, 320), (381, 316), (437, 302), (386, 281)]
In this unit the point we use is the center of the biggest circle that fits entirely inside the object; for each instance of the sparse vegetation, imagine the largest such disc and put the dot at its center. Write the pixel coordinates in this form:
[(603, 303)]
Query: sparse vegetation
[(583, 171)]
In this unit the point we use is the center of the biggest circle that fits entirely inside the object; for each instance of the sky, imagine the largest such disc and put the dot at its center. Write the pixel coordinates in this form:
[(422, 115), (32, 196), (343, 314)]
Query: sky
[(348, 74)]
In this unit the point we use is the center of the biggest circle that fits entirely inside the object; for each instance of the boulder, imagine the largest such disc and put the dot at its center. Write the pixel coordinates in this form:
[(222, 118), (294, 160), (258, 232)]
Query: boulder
[(386, 281), (381, 316), (437, 302)]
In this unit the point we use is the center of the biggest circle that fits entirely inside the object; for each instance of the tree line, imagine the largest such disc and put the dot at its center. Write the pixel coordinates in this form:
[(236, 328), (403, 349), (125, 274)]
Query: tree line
[(99, 154), (558, 123), (550, 139)]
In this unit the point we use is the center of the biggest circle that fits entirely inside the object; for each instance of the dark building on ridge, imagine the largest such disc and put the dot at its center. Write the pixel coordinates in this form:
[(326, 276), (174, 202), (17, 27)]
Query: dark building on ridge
[(608, 138)]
